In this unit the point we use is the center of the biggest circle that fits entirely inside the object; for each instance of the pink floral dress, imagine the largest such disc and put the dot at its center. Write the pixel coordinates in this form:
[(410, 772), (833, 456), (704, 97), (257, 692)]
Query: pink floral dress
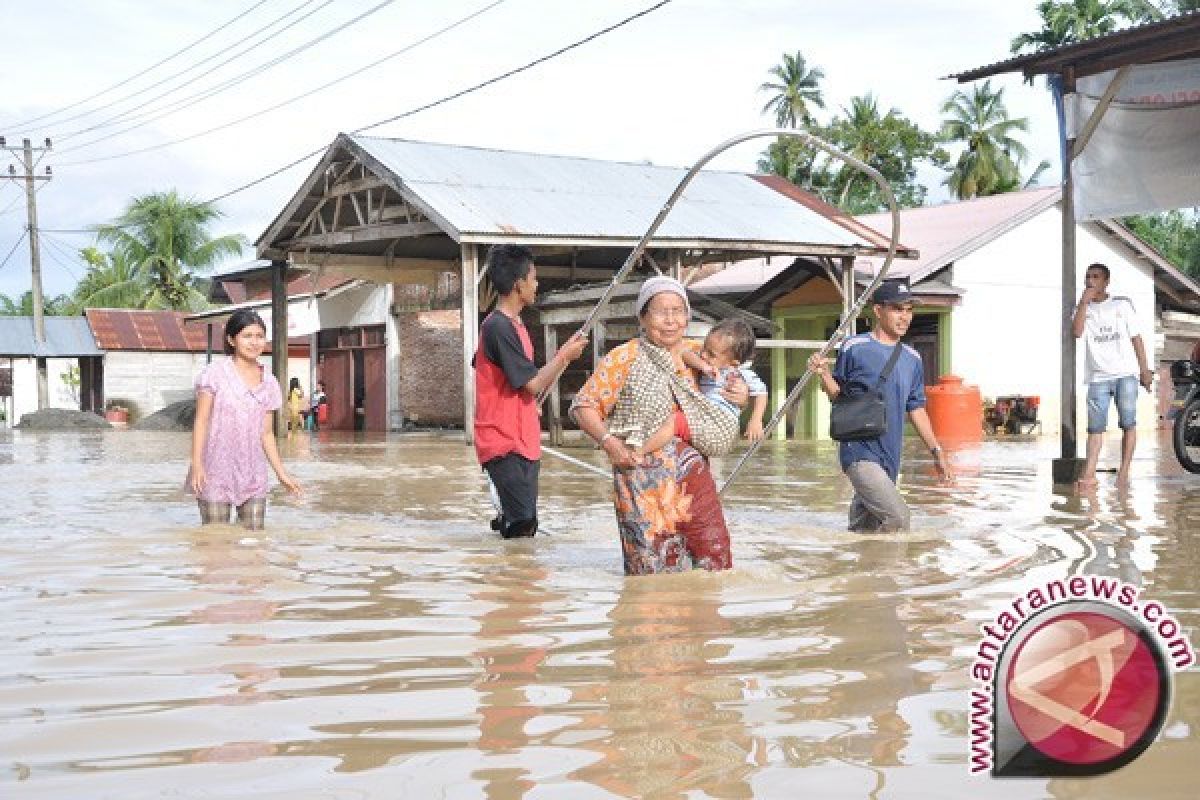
[(234, 462)]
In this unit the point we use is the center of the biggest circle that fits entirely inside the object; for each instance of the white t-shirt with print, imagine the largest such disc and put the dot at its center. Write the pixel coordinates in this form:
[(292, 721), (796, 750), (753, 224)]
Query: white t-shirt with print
[(1109, 332)]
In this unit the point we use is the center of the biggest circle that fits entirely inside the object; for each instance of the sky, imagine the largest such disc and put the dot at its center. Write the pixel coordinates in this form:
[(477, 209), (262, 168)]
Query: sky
[(666, 88)]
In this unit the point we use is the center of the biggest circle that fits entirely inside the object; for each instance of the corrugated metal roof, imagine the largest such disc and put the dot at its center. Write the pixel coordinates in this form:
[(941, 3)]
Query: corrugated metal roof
[(1169, 39), (501, 193), (160, 331), (66, 337), (941, 234), (948, 232)]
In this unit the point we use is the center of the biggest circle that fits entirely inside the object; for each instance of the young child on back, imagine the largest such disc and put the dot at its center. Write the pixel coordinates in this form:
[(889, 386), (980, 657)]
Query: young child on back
[(727, 349)]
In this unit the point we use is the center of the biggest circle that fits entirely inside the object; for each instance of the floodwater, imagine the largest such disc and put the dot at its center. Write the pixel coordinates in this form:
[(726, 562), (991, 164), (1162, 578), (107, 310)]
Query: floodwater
[(377, 641)]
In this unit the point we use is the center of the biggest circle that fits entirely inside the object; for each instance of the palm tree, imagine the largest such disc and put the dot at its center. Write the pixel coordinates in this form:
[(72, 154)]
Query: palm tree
[(991, 155), (1069, 21), (111, 281), (165, 239), (795, 88)]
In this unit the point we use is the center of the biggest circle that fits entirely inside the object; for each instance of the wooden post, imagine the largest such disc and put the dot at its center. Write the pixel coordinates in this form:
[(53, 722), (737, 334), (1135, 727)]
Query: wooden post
[(674, 263), (1067, 467), (279, 345), (849, 290), (556, 426), (470, 334)]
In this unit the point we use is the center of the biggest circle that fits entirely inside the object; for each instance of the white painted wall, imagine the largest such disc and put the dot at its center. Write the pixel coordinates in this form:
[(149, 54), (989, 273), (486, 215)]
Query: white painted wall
[(1007, 330), (24, 400), (149, 381), (153, 380)]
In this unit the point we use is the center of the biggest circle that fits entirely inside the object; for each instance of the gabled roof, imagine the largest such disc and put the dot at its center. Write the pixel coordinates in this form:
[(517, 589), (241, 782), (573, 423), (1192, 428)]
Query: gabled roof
[(127, 329), (834, 214), (484, 195), (946, 233), (66, 337)]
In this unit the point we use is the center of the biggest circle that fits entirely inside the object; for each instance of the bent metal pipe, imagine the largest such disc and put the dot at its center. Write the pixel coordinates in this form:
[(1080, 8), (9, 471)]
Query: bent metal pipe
[(848, 320)]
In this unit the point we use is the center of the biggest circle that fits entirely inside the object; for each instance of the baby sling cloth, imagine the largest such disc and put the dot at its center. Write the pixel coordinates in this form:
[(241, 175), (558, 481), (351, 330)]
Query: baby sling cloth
[(649, 397)]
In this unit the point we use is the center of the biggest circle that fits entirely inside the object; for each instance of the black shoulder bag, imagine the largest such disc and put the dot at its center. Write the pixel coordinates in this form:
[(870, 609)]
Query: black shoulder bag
[(861, 415)]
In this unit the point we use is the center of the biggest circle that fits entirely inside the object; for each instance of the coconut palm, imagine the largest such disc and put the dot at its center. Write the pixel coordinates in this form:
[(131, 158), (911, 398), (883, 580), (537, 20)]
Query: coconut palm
[(1069, 21), (991, 155), (111, 281), (796, 87), (165, 239)]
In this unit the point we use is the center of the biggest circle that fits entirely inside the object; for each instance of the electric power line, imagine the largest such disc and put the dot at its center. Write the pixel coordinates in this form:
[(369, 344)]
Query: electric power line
[(440, 32), (411, 112), (190, 101), (16, 244), (56, 249), (137, 75), (206, 59)]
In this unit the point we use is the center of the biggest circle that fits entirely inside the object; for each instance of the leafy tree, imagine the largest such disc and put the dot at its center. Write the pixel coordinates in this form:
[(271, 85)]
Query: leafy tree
[(165, 239), (992, 155), (889, 142), (23, 305), (795, 89), (1070, 21), (1174, 234)]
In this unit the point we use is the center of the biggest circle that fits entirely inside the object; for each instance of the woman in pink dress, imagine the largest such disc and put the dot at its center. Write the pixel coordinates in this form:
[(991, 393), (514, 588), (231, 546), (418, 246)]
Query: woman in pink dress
[(233, 438)]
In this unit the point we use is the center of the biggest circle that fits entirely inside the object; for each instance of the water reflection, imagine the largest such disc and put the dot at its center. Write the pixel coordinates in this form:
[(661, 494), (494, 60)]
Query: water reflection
[(377, 641), (669, 714)]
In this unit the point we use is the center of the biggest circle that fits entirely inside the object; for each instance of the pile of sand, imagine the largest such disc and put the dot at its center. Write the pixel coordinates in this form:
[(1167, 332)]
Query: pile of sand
[(62, 419)]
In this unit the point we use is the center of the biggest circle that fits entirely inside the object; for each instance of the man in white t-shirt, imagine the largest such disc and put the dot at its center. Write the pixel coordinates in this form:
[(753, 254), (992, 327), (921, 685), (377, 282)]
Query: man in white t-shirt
[(1116, 363)]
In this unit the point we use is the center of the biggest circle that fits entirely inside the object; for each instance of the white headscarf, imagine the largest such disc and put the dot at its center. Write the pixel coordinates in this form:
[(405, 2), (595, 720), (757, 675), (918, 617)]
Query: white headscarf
[(657, 285)]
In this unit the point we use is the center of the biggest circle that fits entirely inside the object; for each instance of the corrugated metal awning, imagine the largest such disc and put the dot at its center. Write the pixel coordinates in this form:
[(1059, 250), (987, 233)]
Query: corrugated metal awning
[(66, 337)]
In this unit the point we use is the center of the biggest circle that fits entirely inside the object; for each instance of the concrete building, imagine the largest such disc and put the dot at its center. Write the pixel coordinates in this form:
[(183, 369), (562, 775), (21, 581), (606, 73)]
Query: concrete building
[(991, 290), (72, 361)]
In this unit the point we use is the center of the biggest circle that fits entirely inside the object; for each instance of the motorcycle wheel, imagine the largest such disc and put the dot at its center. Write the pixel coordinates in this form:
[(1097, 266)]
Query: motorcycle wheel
[(1186, 436)]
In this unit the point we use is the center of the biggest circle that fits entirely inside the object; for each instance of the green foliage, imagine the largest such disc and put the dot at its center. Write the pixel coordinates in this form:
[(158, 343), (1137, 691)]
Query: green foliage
[(164, 240), (887, 141), (1174, 234), (23, 305), (991, 159), (111, 282), (794, 89), (1070, 21), (71, 380)]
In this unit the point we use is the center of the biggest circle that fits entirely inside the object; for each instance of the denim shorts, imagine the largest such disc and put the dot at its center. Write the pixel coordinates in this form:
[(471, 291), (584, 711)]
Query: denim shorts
[(1124, 391)]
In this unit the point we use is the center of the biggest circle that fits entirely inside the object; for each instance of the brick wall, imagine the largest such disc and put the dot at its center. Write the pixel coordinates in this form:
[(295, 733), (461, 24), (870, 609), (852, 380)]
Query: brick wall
[(431, 367)]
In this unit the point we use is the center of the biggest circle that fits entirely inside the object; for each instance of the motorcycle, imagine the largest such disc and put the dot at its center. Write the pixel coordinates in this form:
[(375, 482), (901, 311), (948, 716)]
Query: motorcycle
[(1185, 408)]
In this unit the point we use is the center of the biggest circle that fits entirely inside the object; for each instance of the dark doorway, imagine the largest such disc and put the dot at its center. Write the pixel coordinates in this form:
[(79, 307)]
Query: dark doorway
[(922, 336)]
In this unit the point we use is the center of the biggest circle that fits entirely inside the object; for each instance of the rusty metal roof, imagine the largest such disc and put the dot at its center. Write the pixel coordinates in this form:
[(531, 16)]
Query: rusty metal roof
[(162, 331), (482, 194), (1166, 40), (66, 337)]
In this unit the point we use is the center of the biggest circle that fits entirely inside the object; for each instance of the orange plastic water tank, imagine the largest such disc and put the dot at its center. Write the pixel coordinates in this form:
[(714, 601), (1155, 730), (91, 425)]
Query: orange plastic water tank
[(955, 410)]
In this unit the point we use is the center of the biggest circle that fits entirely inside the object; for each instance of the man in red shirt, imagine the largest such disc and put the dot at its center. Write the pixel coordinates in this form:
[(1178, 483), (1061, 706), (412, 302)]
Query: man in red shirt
[(508, 428)]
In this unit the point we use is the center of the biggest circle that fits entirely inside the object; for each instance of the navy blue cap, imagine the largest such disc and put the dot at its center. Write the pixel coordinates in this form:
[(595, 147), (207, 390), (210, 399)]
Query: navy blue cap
[(893, 293)]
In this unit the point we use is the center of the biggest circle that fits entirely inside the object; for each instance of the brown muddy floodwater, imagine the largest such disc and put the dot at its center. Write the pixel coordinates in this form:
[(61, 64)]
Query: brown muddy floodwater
[(377, 641)]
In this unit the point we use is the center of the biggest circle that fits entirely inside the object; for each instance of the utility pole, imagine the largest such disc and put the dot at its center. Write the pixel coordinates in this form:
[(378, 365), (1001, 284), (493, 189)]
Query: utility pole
[(35, 257)]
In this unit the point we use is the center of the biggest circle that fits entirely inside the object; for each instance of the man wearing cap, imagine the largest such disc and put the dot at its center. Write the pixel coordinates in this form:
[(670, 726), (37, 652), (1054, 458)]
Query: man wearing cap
[(873, 465), (508, 428)]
